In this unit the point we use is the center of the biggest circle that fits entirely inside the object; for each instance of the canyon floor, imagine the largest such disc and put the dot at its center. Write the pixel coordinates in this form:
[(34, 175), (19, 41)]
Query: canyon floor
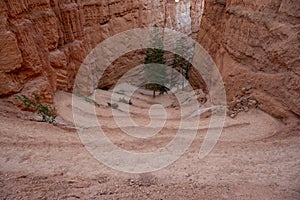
[(256, 157)]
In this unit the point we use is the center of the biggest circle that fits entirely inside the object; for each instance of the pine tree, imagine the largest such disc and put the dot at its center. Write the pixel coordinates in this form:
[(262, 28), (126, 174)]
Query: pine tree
[(155, 69), (180, 63)]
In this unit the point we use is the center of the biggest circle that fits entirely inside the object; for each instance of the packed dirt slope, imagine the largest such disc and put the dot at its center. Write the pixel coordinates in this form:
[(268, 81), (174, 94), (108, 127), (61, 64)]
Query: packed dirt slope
[(254, 43), (257, 43), (253, 159)]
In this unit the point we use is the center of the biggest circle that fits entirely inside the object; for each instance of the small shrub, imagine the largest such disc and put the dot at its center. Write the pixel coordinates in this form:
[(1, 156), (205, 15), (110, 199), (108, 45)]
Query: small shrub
[(89, 100), (106, 88), (113, 105), (123, 100), (120, 92), (46, 111), (173, 106)]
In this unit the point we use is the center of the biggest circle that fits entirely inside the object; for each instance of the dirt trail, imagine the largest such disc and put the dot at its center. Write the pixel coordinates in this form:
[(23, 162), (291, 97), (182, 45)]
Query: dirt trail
[(252, 160)]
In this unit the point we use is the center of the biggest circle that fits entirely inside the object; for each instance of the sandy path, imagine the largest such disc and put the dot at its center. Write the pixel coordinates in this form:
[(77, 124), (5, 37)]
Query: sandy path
[(250, 160)]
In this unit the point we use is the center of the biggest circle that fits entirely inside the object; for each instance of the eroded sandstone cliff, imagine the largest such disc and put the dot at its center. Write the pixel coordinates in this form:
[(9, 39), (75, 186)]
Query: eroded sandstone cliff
[(43, 42), (256, 44)]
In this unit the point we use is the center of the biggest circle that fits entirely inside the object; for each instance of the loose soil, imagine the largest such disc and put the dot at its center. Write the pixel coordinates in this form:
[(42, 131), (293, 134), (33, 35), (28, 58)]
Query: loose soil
[(256, 157)]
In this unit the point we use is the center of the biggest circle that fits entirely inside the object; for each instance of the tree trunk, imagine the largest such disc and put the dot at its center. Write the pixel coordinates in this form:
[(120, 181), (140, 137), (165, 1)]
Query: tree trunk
[(153, 93)]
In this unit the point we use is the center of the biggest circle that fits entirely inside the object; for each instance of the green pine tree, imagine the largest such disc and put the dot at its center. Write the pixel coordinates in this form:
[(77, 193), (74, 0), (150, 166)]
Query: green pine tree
[(155, 69), (180, 62)]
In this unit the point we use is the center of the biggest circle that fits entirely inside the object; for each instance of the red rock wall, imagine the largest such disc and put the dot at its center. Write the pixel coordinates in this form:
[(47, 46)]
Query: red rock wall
[(253, 42), (43, 42), (257, 43)]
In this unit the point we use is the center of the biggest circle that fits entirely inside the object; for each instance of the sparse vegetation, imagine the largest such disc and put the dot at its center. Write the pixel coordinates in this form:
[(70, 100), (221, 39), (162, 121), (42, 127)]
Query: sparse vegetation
[(155, 69), (182, 59), (120, 92), (106, 88), (123, 100), (46, 111), (173, 106), (157, 88), (89, 100), (113, 105)]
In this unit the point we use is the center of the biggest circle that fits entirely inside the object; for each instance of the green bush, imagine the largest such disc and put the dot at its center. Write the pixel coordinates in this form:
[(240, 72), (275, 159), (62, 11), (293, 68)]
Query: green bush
[(113, 105), (46, 111), (120, 92), (89, 100), (106, 88), (123, 100)]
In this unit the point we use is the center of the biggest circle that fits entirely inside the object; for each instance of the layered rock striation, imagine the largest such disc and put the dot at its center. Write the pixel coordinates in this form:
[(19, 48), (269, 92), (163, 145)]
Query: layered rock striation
[(256, 44), (43, 42)]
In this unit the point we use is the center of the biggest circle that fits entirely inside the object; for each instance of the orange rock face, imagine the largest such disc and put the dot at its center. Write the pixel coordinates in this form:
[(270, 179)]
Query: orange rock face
[(257, 43), (254, 43), (43, 42)]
